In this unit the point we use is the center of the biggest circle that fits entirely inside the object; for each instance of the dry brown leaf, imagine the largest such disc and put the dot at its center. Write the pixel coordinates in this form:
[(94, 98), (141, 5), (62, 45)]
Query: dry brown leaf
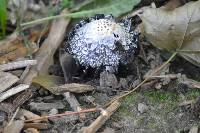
[(176, 30), (13, 46), (48, 81), (53, 84)]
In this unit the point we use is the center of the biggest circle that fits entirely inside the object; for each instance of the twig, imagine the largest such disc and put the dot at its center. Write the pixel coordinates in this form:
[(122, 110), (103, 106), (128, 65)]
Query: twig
[(73, 87), (38, 125), (13, 117), (74, 104), (48, 48), (146, 79), (17, 64), (102, 118), (171, 76), (25, 72), (7, 80), (188, 51), (65, 114), (29, 115), (13, 91)]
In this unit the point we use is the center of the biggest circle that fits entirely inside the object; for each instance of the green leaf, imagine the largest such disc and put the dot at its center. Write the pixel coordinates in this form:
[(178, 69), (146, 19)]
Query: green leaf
[(66, 4), (3, 17), (114, 7)]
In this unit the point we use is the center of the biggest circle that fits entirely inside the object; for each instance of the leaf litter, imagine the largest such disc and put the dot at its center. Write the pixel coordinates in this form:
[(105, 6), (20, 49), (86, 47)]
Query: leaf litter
[(176, 31)]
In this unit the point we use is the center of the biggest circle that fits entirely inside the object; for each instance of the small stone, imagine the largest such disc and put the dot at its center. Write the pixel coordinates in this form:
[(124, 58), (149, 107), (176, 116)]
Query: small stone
[(117, 125), (142, 108), (108, 80), (108, 130), (41, 106), (158, 86), (194, 129), (53, 111), (123, 83)]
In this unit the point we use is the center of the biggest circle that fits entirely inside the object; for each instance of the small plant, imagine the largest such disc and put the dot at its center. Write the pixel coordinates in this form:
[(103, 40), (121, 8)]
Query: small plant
[(3, 17), (67, 4)]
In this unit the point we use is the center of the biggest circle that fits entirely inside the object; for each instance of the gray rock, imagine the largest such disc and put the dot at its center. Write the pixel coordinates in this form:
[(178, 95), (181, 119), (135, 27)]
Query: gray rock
[(53, 111), (41, 106), (142, 108), (108, 80), (123, 83)]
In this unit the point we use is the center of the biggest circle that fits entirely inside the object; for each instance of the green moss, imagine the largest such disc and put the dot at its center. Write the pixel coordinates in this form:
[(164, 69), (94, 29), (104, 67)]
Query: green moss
[(140, 120), (165, 101), (192, 94), (126, 102), (152, 125), (161, 96)]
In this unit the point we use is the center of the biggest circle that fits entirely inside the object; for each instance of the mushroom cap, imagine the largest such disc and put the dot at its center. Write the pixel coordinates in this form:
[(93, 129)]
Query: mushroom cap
[(102, 42)]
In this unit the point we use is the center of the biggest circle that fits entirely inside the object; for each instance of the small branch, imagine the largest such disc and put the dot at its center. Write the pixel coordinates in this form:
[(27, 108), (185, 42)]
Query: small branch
[(13, 91), (65, 114), (7, 80), (74, 104), (13, 117), (170, 76), (29, 115), (25, 72), (71, 100), (188, 51), (73, 87), (102, 118), (45, 54), (66, 15), (17, 65)]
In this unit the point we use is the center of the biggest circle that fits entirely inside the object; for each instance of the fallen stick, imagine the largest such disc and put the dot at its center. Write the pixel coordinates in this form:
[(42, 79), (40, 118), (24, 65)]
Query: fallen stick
[(170, 76), (45, 54), (7, 80), (17, 65), (65, 62), (13, 91), (65, 114), (43, 126), (105, 115), (29, 115), (74, 104), (23, 75), (73, 87), (13, 117)]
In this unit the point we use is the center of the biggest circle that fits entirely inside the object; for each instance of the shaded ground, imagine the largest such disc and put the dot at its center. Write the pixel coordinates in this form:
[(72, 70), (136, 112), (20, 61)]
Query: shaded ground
[(172, 107)]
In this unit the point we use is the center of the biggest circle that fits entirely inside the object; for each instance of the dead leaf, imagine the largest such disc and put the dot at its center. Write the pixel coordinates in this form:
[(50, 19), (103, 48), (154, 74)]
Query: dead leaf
[(48, 81), (176, 30), (13, 46)]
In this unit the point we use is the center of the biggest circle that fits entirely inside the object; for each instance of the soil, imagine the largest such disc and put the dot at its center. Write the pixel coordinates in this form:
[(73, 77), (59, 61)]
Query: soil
[(149, 110)]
